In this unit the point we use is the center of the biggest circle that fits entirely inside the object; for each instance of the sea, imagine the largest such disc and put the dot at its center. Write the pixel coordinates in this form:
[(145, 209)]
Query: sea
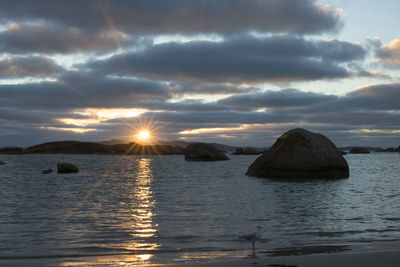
[(130, 210)]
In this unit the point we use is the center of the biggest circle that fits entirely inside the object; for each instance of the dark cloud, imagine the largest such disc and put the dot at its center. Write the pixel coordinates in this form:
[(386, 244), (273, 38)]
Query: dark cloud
[(239, 59), (19, 117), (200, 119), (75, 90), (53, 38), (12, 67), (173, 16), (379, 97), (181, 106), (206, 87), (359, 119), (287, 98), (340, 51), (373, 105)]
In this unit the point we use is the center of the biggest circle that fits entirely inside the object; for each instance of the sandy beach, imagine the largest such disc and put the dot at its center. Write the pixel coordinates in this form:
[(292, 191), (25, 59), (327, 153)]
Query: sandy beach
[(365, 259)]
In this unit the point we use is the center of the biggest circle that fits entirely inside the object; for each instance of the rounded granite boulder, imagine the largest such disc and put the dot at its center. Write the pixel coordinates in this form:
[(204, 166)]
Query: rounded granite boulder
[(299, 153), (204, 152)]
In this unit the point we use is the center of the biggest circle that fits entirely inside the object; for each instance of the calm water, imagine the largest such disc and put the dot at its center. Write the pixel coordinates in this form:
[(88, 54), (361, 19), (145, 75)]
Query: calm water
[(135, 209)]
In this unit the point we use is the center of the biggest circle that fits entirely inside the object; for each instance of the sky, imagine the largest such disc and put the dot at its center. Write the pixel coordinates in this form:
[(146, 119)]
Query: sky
[(237, 72)]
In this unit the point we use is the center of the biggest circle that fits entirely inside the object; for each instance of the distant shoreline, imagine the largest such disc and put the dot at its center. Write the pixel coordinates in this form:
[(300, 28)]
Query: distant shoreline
[(132, 148), (107, 148)]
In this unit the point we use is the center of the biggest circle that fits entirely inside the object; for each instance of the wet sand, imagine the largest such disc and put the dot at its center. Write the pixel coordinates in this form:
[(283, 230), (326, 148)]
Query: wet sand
[(381, 258), (344, 259)]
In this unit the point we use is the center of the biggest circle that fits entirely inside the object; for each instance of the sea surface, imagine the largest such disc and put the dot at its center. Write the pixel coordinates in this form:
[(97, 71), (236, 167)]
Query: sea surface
[(127, 210)]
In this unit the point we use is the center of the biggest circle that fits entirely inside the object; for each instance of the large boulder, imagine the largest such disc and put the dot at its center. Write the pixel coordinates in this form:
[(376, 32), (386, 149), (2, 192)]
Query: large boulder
[(66, 168), (299, 153), (204, 152)]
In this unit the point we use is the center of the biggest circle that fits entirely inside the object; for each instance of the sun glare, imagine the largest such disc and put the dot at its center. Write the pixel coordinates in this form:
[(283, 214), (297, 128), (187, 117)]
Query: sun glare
[(144, 134)]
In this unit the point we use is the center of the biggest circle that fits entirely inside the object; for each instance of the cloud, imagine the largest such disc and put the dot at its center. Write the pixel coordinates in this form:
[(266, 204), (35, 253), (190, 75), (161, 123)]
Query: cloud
[(340, 51), (287, 98), (173, 16), (181, 106), (79, 90), (378, 97), (372, 111), (11, 67), (199, 118), (20, 38), (20, 116), (208, 88), (389, 54), (241, 58), (372, 107)]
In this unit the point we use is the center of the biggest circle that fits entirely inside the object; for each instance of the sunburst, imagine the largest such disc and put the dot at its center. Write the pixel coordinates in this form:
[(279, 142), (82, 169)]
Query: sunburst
[(144, 135)]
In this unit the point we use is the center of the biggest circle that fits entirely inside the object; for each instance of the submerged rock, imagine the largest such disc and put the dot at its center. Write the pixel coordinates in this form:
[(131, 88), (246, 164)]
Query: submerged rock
[(204, 152), (1, 163), (360, 150), (66, 168), (299, 153)]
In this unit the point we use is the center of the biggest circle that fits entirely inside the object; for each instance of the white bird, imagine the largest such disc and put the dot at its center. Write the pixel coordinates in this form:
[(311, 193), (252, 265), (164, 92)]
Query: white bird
[(253, 237)]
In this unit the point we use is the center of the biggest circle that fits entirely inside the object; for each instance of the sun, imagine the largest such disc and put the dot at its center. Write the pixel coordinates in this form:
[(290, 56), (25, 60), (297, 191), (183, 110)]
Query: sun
[(143, 135)]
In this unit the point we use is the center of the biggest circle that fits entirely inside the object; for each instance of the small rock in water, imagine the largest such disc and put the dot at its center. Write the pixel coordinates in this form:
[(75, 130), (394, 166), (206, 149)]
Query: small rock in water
[(2, 163), (47, 171), (66, 168)]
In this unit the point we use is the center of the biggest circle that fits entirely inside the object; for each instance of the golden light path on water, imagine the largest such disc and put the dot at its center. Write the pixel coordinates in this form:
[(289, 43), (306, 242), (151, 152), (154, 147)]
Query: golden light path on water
[(140, 225), (142, 217), (143, 214)]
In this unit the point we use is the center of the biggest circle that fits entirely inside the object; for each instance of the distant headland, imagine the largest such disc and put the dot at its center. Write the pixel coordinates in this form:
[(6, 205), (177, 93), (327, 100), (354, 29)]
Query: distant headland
[(107, 148), (119, 147)]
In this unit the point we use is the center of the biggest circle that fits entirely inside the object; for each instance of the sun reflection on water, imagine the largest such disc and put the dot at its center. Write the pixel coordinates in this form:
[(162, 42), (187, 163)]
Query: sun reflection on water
[(142, 213)]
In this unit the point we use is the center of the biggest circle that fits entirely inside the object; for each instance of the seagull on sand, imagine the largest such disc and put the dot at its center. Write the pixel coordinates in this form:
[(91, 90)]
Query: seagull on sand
[(253, 237)]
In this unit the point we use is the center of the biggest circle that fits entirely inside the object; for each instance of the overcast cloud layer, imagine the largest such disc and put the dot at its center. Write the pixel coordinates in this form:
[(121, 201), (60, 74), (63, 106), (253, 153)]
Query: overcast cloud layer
[(225, 71), (239, 59), (176, 16)]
